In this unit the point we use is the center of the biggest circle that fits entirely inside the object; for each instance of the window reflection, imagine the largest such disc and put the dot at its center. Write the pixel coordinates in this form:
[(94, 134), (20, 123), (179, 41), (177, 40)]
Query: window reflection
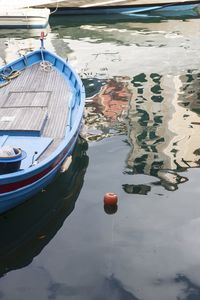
[(162, 122)]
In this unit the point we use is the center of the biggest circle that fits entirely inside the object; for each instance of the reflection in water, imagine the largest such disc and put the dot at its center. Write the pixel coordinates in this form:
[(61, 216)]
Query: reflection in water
[(141, 189), (110, 209), (15, 43), (116, 290), (105, 112), (161, 123), (149, 249), (60, 23), (189, 96), (190, 291), (24, 32), (92, 86), (163, 128), (26, 229)]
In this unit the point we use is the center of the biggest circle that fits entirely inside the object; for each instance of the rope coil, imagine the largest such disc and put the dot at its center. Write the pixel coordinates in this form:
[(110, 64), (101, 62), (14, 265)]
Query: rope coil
[(46, 66), (6, 79)]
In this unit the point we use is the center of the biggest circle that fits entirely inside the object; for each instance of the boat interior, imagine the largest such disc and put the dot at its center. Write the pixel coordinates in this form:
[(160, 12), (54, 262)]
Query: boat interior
[(33, 112)]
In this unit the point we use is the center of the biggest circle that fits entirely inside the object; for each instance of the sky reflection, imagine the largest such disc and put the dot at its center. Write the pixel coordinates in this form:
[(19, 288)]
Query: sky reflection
[(142, 118)]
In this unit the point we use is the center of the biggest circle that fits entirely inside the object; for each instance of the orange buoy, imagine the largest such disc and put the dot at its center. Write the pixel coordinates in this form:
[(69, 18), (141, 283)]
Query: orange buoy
[(110, 199)]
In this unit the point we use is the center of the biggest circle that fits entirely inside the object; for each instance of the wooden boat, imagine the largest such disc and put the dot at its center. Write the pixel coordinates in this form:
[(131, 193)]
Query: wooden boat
[(41, 110), (24, 17)]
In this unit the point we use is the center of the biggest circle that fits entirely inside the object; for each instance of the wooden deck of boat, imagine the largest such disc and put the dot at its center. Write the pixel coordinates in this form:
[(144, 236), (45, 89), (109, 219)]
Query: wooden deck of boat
[(36, 102), (108, 3)]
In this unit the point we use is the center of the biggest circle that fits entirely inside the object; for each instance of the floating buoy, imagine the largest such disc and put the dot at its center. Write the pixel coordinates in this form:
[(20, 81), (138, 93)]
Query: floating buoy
[(110, 199)]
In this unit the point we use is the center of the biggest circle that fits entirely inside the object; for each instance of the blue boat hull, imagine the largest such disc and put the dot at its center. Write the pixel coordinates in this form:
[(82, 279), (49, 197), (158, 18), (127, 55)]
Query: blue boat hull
[(18, 196), (179, 9), (18, 186)]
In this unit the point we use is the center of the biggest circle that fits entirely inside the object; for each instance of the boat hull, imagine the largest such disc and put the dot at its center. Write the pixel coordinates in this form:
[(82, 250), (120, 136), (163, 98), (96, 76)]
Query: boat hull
[(24, 18), (167, 10), (35, 174), (31, 186)]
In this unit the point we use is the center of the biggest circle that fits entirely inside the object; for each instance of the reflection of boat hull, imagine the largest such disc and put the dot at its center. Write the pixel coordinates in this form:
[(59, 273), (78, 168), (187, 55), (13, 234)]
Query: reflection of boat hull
[(26, 229), (25, 32), (24, 18)]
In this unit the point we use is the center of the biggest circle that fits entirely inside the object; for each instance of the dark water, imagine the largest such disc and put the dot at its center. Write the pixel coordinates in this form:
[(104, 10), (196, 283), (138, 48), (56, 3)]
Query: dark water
[(142, 136)]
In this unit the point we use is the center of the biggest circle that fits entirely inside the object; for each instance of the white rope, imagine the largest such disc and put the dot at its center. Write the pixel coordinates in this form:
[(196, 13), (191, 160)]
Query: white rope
[(46, 66), (55, 9)]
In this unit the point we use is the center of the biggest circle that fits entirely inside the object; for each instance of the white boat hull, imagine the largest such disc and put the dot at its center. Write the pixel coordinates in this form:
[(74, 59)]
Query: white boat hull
[(24, 18)]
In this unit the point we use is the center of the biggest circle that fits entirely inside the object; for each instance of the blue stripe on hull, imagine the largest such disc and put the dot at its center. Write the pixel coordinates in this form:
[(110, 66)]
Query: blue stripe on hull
[(10, 200), (24, 26)]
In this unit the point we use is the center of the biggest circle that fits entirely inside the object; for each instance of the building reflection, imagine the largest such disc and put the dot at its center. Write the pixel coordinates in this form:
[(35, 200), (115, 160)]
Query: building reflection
[(107, 102), (163, 128), (160, 116)]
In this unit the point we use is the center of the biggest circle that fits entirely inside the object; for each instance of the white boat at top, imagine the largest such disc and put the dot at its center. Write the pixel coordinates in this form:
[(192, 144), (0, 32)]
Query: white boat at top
[(25, 3), (20, 15)]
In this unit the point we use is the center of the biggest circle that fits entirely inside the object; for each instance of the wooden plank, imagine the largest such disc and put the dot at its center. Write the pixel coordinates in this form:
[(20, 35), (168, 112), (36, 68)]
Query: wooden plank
[(22, 119), (27, 99)]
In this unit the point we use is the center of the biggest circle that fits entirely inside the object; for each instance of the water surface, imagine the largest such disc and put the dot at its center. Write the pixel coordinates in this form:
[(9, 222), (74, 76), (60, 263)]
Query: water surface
[(142, 123)]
